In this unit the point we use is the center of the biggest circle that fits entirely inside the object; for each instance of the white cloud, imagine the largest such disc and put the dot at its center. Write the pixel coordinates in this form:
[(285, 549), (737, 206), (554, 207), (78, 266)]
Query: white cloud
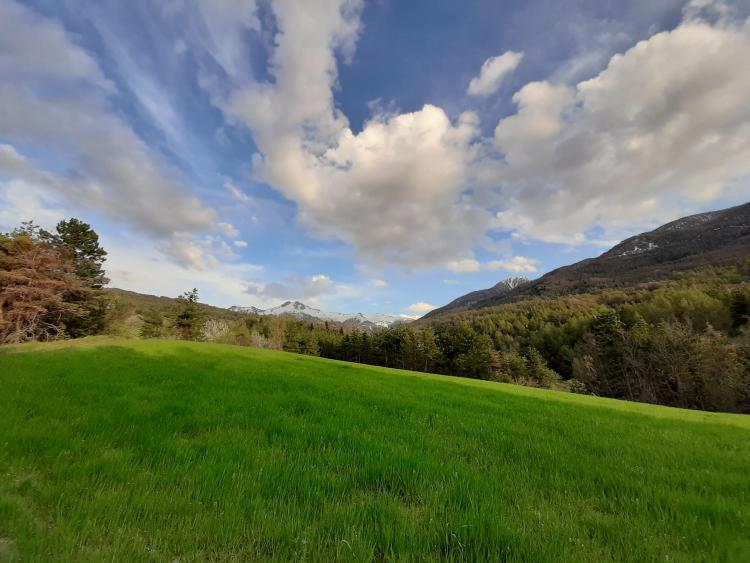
[(228, 229), (492, 73), (515, 264), (666, 123), (511, 264), (224, 22), (237, 193), (464, 266), (395, 190), (294, 287), (134, 264), (378, 283), (701, 10), (22, 201), (240, 244), (31, 46), (108, 168), (11, 162), (421, 308), (188, 252)]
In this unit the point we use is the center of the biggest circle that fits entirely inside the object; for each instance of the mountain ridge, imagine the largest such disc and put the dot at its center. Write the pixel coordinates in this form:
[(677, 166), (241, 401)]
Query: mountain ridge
[(299, 310), (712, 238)]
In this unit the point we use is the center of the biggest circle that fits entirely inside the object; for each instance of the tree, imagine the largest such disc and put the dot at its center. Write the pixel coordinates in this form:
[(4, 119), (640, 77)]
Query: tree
[(538, 369), (607, 329), (40, 294), (739, 308), (430, 353), (153, 324), (83, 243), (188, 321), (476, 361)]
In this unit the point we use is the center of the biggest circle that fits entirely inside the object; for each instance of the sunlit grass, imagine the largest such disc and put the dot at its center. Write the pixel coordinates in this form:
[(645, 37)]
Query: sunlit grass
[(162, 450)]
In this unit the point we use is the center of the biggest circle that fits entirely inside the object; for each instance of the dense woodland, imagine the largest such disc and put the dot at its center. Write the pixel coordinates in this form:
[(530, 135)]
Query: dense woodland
[(682, 342)]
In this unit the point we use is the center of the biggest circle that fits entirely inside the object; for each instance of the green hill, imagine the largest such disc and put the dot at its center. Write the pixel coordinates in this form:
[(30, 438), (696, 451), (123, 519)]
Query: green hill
[(163, 451)]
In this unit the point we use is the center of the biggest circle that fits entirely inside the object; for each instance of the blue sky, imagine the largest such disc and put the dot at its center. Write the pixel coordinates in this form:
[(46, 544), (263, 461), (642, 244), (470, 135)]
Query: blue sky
[(371, 156)]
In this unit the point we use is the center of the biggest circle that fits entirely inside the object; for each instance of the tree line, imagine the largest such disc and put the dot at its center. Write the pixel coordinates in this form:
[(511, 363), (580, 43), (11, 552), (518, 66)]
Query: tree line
[(679, 346)]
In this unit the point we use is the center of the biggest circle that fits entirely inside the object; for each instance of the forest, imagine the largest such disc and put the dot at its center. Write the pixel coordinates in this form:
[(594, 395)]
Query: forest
[(682, 342)]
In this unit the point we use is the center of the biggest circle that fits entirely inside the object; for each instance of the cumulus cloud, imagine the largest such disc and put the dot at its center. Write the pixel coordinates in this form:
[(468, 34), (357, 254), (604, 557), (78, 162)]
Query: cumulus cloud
[(378, 283), (397, 189), (294, 287), (510, 264), (464, 266), (421, 308), (492, 73), (11, 162), (188, 252), (516, 264), (108, 168), (666, 122), (240, 244)]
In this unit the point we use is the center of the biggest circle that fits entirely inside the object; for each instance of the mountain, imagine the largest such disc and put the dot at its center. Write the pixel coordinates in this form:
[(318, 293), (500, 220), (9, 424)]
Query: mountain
[(305, 312), (715, 238), (470, 299)]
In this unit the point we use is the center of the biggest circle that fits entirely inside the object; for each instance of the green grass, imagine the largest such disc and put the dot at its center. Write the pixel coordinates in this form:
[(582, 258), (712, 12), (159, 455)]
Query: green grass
[(160, 451)]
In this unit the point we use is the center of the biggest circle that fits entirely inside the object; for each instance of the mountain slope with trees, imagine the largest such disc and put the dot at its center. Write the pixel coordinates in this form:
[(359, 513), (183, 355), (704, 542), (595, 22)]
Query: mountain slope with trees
[(715, 238)]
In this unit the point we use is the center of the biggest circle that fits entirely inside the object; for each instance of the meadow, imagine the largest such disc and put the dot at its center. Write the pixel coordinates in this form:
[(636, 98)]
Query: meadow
[(165, 451)]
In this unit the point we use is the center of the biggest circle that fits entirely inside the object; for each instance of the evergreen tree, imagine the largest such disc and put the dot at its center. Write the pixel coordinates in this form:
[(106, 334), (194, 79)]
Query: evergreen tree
[(739, 308), (153, 324), (538, 369), (430, 353), (83, 243), (188, 320)]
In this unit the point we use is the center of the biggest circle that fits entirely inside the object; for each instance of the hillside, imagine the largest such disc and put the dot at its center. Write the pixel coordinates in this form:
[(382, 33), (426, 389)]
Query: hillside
[(141, 301), (716, 238), (162, 451), (495, 292)]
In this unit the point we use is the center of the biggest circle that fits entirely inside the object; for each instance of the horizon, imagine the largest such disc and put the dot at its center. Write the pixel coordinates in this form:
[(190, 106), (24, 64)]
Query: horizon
[(387, 160)]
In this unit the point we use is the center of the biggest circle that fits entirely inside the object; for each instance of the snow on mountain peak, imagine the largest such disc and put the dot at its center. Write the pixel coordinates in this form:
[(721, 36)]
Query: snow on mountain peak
[(305, 312)]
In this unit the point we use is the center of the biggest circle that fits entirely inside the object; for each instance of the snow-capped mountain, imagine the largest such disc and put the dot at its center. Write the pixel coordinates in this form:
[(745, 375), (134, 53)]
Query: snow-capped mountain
[(305, 312)]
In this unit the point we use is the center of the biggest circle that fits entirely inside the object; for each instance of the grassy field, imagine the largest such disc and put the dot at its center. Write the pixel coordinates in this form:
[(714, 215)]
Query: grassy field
[(163, 451)]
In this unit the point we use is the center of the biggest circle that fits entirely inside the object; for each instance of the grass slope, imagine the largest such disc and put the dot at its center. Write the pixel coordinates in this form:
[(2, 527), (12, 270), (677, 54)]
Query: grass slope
[(163, 450)]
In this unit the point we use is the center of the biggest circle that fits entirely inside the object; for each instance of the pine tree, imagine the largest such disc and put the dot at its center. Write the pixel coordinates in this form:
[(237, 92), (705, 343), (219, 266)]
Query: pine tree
[(188, 320), (83, 243), (153, 324)]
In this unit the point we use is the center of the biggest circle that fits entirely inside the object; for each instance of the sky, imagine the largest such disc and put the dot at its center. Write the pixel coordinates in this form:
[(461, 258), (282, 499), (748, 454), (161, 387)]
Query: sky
[(375, 156)]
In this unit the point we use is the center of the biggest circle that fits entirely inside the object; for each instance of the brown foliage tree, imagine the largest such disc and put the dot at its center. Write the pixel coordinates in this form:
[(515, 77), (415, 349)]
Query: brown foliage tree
[(39, 290)]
